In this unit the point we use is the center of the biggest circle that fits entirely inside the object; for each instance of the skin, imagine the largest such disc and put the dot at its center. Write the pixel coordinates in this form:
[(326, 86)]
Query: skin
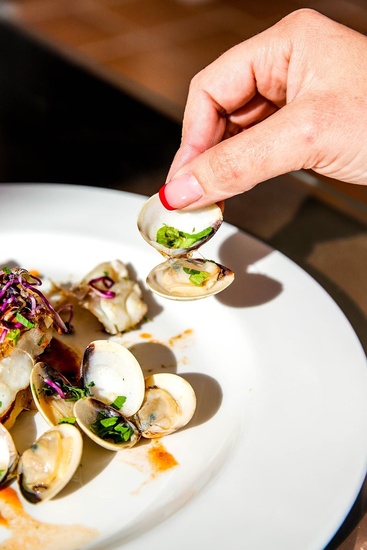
[(291, 97)]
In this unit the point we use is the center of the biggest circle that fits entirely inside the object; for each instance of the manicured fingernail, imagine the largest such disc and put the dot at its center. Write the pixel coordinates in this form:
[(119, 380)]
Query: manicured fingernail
[(180, 192)]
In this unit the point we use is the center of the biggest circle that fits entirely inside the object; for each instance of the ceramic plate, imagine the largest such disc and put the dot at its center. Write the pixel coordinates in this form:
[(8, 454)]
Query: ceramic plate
[(276, 452)]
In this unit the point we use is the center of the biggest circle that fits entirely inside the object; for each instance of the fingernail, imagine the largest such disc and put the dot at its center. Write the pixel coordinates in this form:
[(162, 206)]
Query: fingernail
[(180, 192)]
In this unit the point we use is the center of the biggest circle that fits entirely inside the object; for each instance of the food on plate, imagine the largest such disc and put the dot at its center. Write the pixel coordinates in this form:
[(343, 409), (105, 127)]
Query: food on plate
[(112, 296), (169, 404), (8, 456), (27, 324), (109, 400), (47, 466), (176, 235)]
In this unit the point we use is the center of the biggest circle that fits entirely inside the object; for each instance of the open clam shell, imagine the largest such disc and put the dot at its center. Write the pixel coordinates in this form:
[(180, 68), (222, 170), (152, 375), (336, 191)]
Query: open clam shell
[(52, 406), (189, 278), (105, 425), (169, 404), (176, 233), (47, 466), (8, 456), (113, 371)]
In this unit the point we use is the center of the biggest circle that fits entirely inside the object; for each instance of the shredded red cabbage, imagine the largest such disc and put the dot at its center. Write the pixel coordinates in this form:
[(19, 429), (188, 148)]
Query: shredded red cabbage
[(54, 386), (103, 281), (21, 303)]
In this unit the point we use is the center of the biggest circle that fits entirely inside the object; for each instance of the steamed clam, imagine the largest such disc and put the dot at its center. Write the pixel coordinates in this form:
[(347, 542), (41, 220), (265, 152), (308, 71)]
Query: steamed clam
[(114, 371), (176, 235), (53, 394), (8, 456), (105, 425), (169, 404), (47, 466)]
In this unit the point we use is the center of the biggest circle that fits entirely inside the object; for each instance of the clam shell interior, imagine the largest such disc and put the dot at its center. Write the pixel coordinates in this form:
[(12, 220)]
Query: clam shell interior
[(153, 216)]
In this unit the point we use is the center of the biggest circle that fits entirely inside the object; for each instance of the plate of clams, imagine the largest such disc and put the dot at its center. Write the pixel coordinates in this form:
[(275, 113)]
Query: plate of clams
[(166, 381)]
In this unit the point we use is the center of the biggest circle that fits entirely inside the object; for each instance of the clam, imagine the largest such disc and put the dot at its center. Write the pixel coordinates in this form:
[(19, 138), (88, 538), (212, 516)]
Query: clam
[(8, 456), (105, 425), (169, 404), (177, 232), (189, 278), (53, 394), (176, 235), (47, 466), (113, 372)]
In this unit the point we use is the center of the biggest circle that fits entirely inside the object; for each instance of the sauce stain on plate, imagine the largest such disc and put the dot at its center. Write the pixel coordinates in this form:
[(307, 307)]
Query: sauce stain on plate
[(27, 532)]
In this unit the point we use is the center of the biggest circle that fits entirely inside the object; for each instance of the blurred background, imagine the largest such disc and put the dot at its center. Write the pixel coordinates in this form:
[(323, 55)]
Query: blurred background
[(92, 92)]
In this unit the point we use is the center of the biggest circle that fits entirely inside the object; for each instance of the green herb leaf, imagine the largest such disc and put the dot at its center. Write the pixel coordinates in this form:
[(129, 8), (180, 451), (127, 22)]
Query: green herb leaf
[(23, 320), (113, 428), (119, 401), (67, 420), (13, 335), (170, 237), (196, 277)]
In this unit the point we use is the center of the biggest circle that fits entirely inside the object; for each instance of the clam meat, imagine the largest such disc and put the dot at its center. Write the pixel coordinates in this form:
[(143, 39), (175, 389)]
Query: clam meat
[(189, 278), (47, 466), (105, 425), (176, 235), (169, 404)]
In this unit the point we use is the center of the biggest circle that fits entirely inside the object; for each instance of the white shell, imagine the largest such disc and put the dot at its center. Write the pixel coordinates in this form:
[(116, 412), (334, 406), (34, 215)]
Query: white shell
[(170, 280), (86, 412), (115, 372), (169, 404), (48, 465), (8, 456), (153, 216)]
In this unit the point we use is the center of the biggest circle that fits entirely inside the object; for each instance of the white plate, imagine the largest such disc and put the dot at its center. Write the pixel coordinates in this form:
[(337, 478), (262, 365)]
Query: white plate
[(276, 453)]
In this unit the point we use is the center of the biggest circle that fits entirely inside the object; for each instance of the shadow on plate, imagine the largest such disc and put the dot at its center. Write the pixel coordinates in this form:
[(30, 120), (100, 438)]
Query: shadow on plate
[(248, 289)]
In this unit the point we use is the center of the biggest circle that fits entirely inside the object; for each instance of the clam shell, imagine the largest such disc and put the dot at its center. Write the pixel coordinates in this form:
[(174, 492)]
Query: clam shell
[(8, 456), (52, 407), (47, 466), (189, 278), (169, 404), (114, 371), (154, 216), (86, 412)]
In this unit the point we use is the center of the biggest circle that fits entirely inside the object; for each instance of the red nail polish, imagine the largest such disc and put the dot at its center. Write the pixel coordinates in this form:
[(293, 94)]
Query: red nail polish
[(162, 196)]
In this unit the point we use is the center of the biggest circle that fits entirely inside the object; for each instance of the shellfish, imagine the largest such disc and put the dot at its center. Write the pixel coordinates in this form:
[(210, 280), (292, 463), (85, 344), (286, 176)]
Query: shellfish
[(8, 456), (169, 404), (176, 235), (105, 425), (47, 466)]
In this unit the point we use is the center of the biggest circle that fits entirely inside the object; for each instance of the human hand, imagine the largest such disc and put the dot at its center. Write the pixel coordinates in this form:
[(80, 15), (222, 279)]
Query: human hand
[(291, 97)]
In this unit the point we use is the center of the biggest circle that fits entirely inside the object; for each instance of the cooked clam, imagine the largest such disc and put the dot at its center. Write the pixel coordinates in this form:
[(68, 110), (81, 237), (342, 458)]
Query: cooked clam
[(169, 404), (48, 465), (105, 425), (8, 456), (113, 371), (52, 393), (177, 232), (189, 278)]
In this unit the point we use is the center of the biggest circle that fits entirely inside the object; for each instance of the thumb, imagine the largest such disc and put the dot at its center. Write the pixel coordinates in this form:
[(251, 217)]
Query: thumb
[(275, 146)]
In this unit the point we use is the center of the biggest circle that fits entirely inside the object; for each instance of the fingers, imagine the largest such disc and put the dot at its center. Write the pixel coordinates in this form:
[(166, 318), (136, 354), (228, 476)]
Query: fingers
[(238, 163)]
